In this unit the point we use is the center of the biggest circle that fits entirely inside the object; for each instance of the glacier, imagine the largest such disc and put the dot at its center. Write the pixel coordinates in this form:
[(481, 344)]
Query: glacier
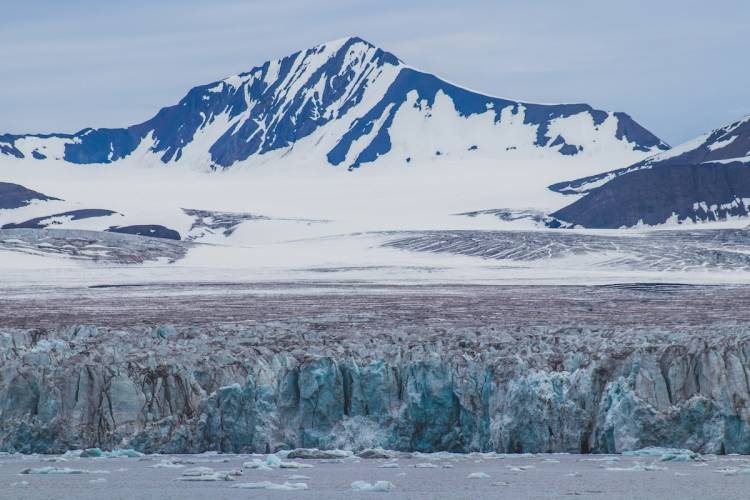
[(235, 388)]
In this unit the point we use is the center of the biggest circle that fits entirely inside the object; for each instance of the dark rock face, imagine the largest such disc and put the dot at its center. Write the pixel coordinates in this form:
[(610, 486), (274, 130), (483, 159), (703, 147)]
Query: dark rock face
[(152, 230), (185, 390), (16, 196), (697, 192), (720, 146), (706, 179), (43, 222)]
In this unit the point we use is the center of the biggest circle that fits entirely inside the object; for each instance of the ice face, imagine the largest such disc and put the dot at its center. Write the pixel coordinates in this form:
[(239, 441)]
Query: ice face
[(521, 390)]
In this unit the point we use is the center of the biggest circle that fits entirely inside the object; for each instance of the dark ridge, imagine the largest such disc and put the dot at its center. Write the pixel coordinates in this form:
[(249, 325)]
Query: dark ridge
[(39, 222), (16, 196), (696, 192), (151, 230)]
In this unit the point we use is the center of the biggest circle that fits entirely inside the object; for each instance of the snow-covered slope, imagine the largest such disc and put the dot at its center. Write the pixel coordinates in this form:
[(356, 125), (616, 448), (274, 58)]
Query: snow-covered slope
[(729, 144), (346, 103), (705, 179)]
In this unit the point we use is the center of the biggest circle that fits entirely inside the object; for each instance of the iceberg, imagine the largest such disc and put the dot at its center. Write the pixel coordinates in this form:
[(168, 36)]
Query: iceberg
[(378, 486), (268, 485), (665, 454), (478, 475)]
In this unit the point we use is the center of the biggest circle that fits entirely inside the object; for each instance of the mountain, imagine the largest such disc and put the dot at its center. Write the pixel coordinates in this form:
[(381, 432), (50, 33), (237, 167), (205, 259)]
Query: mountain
[(16, 196), (705, 179), (345, 103)]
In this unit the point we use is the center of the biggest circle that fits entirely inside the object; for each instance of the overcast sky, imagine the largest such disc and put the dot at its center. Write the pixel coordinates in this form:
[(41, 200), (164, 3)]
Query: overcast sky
[(679, 67)]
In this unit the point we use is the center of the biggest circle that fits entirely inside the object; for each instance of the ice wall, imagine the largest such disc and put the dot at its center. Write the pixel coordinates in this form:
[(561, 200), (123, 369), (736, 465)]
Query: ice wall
[(233, 389)]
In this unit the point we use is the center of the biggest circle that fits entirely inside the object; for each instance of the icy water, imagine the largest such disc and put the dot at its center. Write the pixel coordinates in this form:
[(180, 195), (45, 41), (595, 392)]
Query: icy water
[(436, 476)]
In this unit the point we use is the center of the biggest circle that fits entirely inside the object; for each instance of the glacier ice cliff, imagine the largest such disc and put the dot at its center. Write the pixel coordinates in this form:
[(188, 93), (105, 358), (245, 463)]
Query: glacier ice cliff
[(269, 387)]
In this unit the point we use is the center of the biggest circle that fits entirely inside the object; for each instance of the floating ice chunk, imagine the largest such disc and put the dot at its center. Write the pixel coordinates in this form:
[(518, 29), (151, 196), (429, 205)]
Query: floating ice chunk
[(447, 466), (268, 485), (207, 474), (389, 465), (98, 452), (298, 477), (550, 461), (198, 471), (123, 453), (681, 474), (733, 471), (501, 483), (167, 464), (97, 481), (314, 453), (519, 468), (378, 486), (478, 475), (61, 470), (601, 459), (216, 476), (274, 462), (665, 454), (574, 474), (638, 466), (377, 453), (294, 465), (425, 465), (256, 464)]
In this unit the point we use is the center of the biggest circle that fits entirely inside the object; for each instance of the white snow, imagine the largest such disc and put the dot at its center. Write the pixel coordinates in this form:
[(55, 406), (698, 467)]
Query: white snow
[(681, 149), (722, 143), (741, 159), (324, 218)]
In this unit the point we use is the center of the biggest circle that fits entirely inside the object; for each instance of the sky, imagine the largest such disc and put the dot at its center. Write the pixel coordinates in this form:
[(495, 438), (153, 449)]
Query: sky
[(679, 67)]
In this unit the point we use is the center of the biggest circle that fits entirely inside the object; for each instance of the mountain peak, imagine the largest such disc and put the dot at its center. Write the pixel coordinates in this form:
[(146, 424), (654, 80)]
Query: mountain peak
[(347, 102)]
